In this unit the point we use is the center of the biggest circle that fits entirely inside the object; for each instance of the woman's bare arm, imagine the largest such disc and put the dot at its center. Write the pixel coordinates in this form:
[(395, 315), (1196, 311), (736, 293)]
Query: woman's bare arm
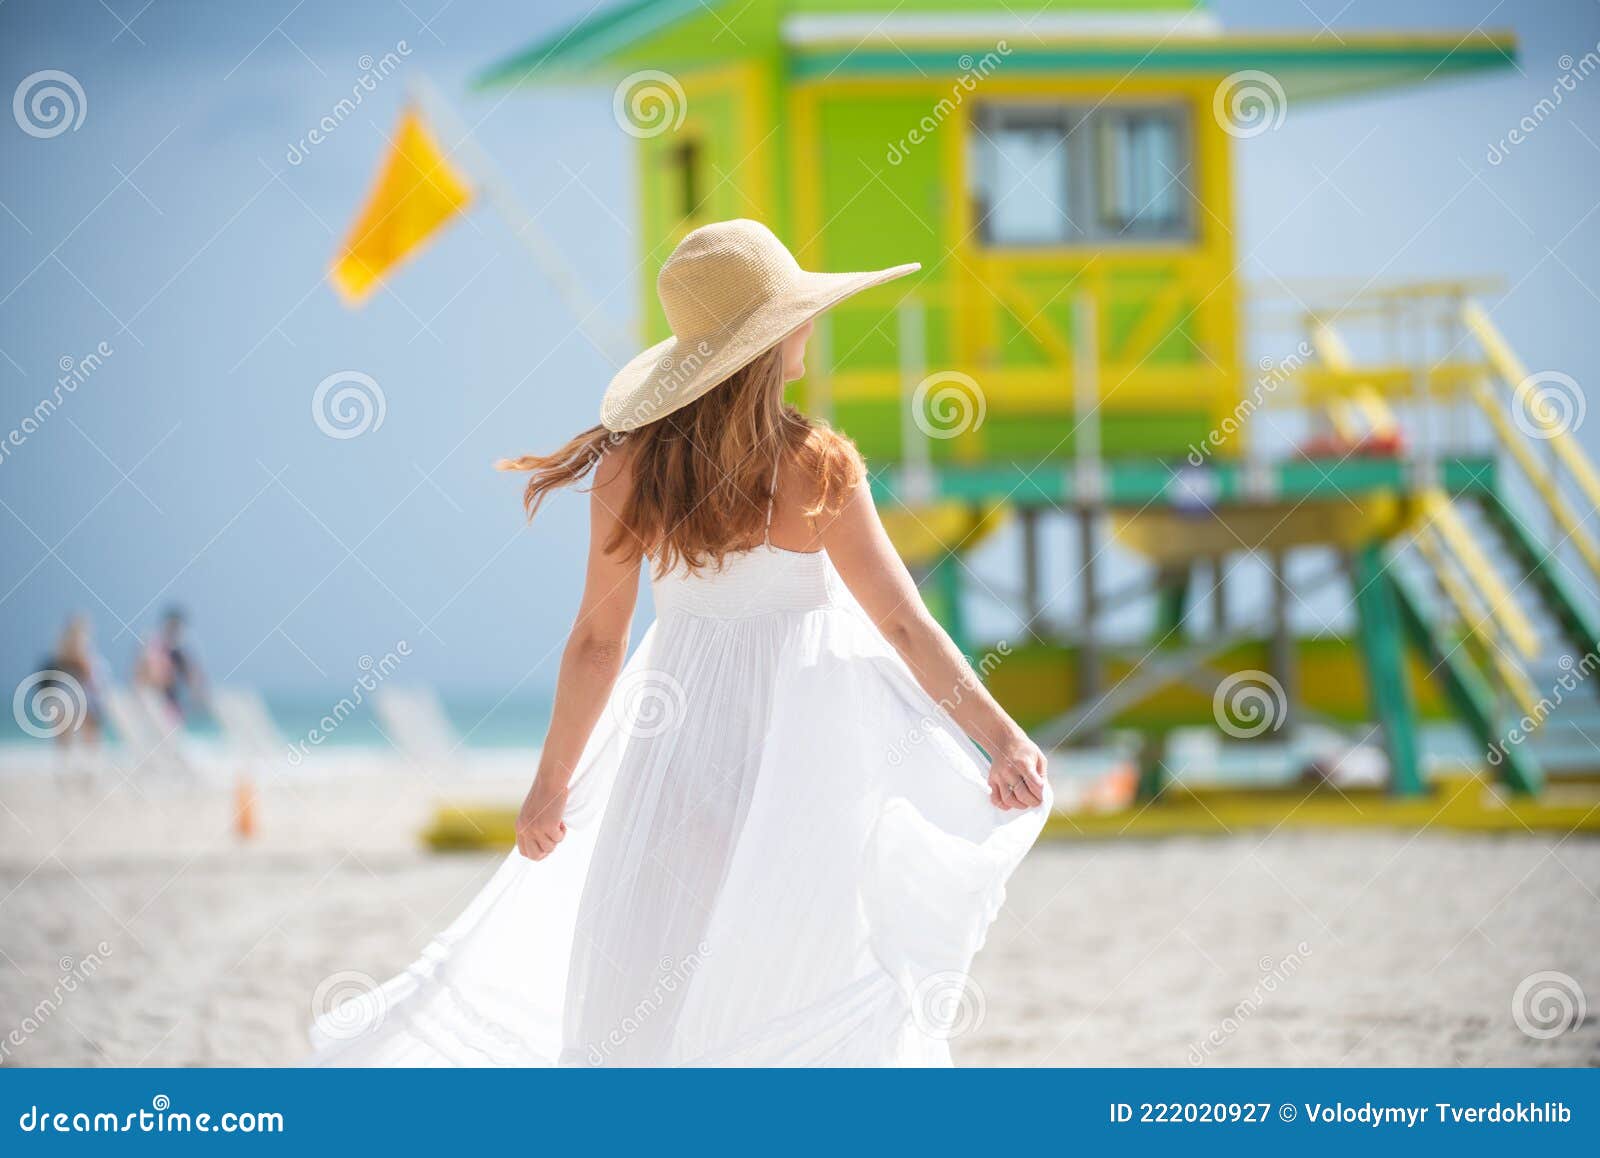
[(590, 664), (867, 561)]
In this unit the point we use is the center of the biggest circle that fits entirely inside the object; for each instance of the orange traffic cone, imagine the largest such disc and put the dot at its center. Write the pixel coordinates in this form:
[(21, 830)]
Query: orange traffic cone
[(244, 807)]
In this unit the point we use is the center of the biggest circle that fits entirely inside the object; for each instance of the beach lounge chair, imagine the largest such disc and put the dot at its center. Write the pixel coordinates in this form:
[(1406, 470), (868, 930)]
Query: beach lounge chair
[(149, 739), (414, 721), (251, 739)]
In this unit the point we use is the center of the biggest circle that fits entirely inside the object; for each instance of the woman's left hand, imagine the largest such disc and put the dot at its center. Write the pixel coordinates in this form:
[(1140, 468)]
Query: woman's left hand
[(1017, 775), (539, 824)]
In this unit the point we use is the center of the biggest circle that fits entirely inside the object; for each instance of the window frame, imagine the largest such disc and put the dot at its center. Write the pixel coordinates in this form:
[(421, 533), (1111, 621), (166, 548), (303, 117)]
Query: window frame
[(684, 161), (1082, 122)]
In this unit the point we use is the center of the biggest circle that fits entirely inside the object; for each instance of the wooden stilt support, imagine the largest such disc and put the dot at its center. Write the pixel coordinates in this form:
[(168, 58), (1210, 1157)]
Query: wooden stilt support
[(1219, 595), (1472, 698), (1282, 645), (1202, 604), (1089, 673), (1173, 592), (946, 578), (1383, 657), (1152, 765), (1032, 605)]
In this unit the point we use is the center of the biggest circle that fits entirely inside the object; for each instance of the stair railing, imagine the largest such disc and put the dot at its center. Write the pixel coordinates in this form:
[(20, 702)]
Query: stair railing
[(1548, 428), (1489, 611)]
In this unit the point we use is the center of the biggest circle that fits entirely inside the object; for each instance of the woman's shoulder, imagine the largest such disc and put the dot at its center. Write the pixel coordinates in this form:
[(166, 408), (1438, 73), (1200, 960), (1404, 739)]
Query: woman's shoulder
[(615, 466), (611, 484), (825, 466), (815, 446)]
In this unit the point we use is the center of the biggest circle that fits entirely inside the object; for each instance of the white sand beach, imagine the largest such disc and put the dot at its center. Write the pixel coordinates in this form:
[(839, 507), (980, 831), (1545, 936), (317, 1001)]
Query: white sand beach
[(135, 929)]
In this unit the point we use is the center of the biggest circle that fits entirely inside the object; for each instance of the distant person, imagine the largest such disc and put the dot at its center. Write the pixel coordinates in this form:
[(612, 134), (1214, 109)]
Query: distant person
[(167, 665), (75, 658)]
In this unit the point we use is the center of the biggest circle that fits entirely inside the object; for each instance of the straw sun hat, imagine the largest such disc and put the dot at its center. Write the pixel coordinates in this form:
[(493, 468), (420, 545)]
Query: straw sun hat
[(731, 291)]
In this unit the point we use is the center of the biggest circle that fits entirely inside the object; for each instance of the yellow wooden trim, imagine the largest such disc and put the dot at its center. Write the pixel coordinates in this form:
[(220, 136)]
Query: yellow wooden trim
[(1436, 505), (1165, 535), (964, 327), (804, 182), (1092, 87), (1330, 347), (1457, 803), (1446, 380), (743, 83), (1477, 619), (1364, 402), (1449, 41), (1043, 391), (1460, 803), (1514, 624), (1187, 259), (1380, 419), (1029, 314), (1158, 320), (979, 286), (1218, 328), (1512, 371), (1346, 423), (754, 178), (1566, 518)]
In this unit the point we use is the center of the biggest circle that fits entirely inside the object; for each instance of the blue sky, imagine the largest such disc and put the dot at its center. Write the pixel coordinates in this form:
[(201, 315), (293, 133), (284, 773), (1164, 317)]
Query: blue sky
[(172, 227)]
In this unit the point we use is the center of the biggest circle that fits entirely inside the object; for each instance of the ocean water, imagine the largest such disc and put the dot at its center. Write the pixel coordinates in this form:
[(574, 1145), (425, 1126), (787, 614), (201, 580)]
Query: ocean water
[(487, 722), (480, 721)]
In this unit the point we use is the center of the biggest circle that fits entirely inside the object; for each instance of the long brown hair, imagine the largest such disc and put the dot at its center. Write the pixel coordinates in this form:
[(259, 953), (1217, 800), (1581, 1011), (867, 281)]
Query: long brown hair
[(702, 476)]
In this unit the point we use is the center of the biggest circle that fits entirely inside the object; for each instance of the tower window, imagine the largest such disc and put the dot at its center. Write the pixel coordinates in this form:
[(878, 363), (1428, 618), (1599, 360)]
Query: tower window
[(1059, 175), (684, 176)]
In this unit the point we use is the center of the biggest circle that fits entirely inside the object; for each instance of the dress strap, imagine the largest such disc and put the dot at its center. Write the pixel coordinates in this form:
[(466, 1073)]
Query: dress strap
[(772, 497)]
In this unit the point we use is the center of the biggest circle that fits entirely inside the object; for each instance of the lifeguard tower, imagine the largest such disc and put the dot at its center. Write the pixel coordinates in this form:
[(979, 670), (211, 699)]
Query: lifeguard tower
[(1073, 350)]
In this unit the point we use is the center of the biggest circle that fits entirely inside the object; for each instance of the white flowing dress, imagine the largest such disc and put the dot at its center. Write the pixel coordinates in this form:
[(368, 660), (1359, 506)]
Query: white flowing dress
[(780, 851)]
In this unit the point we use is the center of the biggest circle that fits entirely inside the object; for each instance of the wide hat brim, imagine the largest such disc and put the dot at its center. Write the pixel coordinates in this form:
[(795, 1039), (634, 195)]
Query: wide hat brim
[(671, 374)]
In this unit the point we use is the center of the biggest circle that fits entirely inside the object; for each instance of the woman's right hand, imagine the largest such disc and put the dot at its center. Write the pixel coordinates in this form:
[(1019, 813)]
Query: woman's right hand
[(539, 824), (1017, 775)]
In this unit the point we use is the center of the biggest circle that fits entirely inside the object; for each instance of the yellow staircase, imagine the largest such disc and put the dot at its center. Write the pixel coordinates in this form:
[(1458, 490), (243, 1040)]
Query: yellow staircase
[(1489, 614)]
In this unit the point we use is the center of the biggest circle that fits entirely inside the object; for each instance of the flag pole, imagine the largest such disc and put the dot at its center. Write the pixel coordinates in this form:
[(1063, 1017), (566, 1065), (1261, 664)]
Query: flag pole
[(612, 341)]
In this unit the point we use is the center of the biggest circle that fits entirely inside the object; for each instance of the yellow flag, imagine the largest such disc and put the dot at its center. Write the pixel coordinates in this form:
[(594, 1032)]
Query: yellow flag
[(417, 192)]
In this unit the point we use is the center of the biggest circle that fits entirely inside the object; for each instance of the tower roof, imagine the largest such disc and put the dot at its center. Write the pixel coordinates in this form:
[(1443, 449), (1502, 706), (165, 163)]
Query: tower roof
[(874, 38)]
